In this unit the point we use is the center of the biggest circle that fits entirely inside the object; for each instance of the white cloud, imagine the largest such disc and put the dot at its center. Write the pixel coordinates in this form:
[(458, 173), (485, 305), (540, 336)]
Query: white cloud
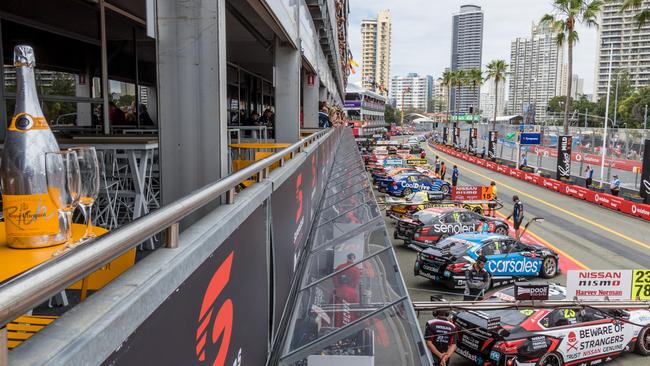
[(422, 33)]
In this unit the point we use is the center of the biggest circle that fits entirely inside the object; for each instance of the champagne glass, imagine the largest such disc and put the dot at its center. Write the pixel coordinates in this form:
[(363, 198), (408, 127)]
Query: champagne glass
[(63, 185), (89, 173)]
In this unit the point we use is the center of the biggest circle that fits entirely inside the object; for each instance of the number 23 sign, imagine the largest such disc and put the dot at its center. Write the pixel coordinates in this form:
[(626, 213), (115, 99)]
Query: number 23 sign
[(641, 284)]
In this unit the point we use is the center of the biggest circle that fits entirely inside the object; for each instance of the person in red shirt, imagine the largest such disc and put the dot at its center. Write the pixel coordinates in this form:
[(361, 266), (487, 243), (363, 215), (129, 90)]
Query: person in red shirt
[(353, 274)]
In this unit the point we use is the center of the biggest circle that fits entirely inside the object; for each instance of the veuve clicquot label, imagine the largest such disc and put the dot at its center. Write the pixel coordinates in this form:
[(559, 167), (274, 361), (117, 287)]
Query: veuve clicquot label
[(30, 215)]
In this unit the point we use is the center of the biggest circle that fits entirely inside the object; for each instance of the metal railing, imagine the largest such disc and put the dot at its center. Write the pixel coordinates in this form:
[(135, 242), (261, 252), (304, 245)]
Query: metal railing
[(549, 304), (36, 286)]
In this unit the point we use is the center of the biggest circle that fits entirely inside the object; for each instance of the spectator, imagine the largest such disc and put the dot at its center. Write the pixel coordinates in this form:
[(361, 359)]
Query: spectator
[(253, 120), (323, 116), (517, 214), (145, 118), (615, 185), (589, 176), (477, 280), (440, 338), (443, 170), (524, 161), (267, 118), (115, 114), (483, 153), (454, 176)]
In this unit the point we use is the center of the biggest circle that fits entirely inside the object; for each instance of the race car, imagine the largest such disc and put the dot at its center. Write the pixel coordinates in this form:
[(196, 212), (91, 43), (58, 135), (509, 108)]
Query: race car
[(508, 259), (434, 224), (421, 200), (404, 184), (551, 337)]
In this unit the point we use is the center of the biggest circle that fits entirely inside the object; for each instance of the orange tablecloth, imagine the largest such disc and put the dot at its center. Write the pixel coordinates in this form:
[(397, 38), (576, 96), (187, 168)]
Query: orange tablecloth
[(16, 261)]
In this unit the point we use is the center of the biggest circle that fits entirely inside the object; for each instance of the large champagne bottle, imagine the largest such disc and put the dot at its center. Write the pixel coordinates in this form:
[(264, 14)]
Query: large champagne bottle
[(31, 219)]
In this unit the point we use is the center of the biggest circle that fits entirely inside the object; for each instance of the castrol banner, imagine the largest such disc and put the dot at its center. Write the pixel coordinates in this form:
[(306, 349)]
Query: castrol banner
[(599, 284)]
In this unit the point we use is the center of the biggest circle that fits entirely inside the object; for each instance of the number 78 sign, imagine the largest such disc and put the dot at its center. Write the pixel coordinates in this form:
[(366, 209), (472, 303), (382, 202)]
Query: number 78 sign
[(641, 284)]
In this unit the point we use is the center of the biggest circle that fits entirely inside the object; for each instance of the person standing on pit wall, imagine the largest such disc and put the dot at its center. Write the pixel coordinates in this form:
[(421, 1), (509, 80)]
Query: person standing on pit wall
[(615, 186), (493, 197), (517, 214), (454, 176), (589, 176), (440, 338), (443, 170), (477, 280), (524, 161)]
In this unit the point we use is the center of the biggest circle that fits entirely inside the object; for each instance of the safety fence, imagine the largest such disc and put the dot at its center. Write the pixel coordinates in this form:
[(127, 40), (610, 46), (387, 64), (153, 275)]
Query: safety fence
[(603, 199)]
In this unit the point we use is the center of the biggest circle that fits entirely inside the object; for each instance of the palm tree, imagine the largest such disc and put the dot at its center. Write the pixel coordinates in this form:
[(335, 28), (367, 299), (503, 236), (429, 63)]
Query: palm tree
[(567, 14), (475, 77), (643, 15), (448, 81), (496, 70)]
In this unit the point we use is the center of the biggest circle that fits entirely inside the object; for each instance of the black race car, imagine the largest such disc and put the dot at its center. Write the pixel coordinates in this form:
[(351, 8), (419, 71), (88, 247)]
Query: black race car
[(431, 225), (508, 259), (550, 337)]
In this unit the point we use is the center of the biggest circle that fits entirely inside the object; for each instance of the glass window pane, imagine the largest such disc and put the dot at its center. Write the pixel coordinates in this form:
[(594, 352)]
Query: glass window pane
[(330, 258), (389, 337)]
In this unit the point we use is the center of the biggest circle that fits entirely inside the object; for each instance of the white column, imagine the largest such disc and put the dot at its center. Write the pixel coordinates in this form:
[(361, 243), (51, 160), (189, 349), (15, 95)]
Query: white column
[(287, 92), (191, 95), (310, 99)]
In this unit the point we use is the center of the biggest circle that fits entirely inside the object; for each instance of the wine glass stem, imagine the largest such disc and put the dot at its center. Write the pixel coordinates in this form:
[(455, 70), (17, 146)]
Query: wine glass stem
[(68, 220), (87, 212)]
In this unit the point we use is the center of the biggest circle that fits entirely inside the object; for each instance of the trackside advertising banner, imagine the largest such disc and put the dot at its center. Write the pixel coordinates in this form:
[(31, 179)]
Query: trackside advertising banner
[(563, 157), (492, 145), (218, 315), (473, 133), (599, 284), (603, 199), (645, 174)]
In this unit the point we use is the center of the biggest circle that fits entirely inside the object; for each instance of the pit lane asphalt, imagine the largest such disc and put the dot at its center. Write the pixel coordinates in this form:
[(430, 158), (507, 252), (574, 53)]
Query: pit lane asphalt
[(607, 240)]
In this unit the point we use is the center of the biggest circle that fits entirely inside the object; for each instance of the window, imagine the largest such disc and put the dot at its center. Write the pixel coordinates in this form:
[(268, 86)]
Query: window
[(561, 317)]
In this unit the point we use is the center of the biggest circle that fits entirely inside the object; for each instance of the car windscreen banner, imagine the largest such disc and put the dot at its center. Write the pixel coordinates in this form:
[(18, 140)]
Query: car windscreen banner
[(473, 133), (290, 208), (645, 174), (218, 316), (445, 135), (563, 157), (492, 145)]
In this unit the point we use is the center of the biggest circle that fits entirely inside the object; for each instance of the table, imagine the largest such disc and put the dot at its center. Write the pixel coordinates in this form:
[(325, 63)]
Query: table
[(137, 148), (262, 130), (13, 262)]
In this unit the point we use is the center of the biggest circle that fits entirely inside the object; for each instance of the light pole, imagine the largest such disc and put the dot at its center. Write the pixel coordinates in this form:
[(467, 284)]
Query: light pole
[(609, 87), (616, 99)]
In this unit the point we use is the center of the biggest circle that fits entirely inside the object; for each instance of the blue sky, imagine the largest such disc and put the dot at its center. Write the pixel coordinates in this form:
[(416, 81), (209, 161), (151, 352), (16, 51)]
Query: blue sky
[(422, 33)]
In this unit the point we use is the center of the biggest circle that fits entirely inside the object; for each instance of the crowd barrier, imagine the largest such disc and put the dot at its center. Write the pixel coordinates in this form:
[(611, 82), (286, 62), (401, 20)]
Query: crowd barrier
[(603, 199)]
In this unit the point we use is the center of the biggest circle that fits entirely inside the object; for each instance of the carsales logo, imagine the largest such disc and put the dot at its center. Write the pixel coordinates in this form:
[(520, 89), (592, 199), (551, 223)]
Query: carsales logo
[(222, 322)]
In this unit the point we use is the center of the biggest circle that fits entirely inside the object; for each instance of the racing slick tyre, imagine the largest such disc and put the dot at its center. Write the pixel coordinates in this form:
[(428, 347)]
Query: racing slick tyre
[(550, 359), (395, 235), (643, 342), (501, 231), (406, 192), (444, 189), (549, 267)]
